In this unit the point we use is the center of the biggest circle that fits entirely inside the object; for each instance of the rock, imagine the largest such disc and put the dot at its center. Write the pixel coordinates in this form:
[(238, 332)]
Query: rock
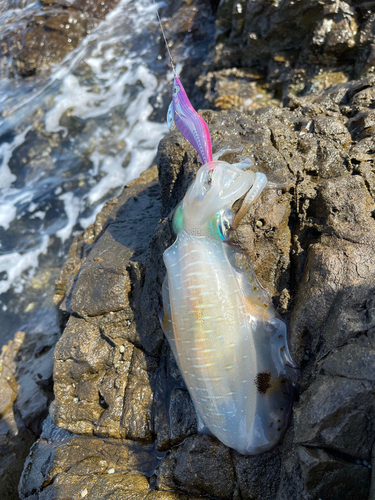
[(189, 25), (48, 33), (68, 465), (323, 475), (291, 47), (312, 246), (49, 37), (235, 88), (335, 414), (174, 413), (92, 8), (99, 305), (201, 465), (258, 476), (97, 487), (25, 393), (340, 478)]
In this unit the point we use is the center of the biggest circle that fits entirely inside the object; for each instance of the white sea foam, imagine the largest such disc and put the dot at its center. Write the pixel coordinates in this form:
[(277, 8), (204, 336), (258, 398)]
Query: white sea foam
[(8, 204), (8, 213), (73, 207), (6, 151), (139, 135), (41, 215), (14, 264)]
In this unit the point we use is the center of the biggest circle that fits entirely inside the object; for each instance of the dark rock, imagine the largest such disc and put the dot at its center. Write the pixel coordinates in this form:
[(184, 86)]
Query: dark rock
[(327, 476), (103, 381), (353, 360), (293, 46), (112, 286), (258, 476), (26, 364), (201, 465), (183, 420), (63, 462), (335, 413), (174, 413), (79, 249)]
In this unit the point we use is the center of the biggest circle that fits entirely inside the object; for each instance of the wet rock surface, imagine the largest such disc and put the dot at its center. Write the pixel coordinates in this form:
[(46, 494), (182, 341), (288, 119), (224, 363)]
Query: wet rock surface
[(48, 32), (47, 39), (122, 422), (295, 46), (26, 364), (259, 51)]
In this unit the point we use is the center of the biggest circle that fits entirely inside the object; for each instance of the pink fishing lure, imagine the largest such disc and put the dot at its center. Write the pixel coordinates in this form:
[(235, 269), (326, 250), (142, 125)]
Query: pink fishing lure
[(189, 123)]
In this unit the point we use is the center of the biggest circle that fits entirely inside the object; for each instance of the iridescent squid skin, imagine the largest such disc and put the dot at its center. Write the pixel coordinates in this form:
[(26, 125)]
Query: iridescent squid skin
[(227, 338)]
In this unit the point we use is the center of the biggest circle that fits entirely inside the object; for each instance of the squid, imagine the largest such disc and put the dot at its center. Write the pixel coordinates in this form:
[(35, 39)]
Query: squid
[(230, 344)]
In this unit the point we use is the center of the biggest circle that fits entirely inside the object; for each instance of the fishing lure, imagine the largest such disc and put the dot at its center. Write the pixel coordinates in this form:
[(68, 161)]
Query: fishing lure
[(227, 338), (190, 124)]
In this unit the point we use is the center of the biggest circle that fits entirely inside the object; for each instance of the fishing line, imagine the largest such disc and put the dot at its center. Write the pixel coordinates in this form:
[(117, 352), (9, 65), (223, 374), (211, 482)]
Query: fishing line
[(165, 40)]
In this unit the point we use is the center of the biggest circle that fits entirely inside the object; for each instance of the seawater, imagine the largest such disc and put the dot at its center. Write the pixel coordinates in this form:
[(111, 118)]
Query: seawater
[(69, 142)]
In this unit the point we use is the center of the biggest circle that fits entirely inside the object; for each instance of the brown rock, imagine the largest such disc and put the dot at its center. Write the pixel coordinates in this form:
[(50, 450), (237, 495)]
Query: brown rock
[(65, 461), (44, 34), (103, 382), (48, 38), (289, 44), (94, 8)]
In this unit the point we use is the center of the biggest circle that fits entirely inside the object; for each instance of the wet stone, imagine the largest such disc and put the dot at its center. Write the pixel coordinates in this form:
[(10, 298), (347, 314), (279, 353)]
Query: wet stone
[(183, 420), (45, 34), (174, 413), (26, 364), (109, 288), (290, 44), (93, 8), (335, 413), (326, 475), (98, 388), (61, 454), (49, 37), (258, 476), (201, 465)]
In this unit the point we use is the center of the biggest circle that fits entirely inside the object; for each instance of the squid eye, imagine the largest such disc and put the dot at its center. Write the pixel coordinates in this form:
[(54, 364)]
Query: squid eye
[(176, 89), (220, 229), (215, 227)]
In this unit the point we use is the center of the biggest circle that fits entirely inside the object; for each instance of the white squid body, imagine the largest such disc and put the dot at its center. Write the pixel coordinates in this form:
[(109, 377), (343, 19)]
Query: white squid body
[(229, 343)]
